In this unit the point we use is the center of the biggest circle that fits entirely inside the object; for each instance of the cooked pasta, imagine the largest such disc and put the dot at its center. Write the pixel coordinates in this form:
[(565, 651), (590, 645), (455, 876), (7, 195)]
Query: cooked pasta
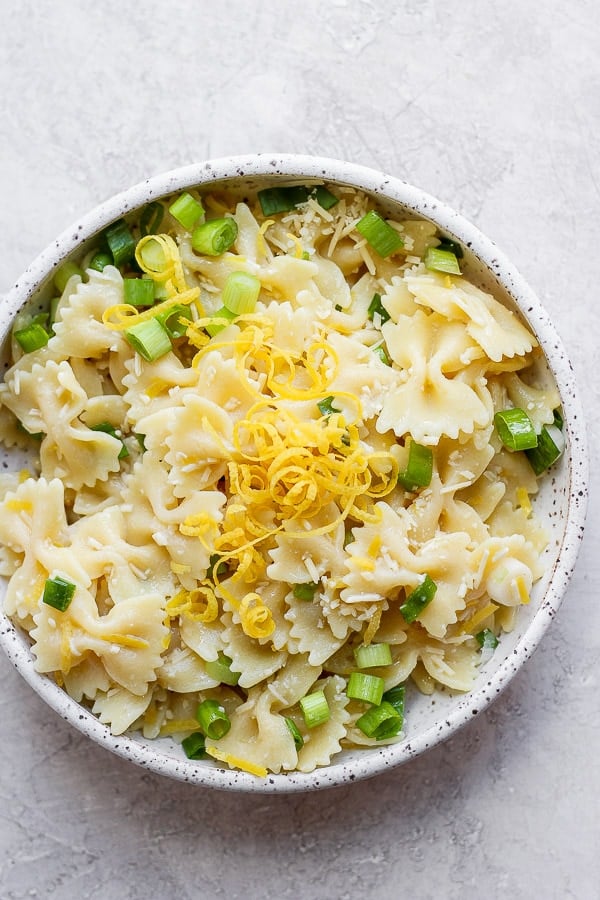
[(239, 497)]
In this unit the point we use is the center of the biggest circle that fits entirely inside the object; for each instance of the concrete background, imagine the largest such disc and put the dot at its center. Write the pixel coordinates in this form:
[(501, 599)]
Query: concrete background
[(494, 107)]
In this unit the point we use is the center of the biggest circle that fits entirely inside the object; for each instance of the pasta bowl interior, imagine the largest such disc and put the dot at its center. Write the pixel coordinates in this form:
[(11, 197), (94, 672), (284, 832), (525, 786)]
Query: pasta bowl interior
[(294, 478)]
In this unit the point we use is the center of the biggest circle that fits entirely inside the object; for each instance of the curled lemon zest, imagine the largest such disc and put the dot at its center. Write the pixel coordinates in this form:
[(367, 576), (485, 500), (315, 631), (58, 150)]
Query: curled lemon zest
[(237, 762), (198, 605), (256, 618), (122, 315), (126, 640)]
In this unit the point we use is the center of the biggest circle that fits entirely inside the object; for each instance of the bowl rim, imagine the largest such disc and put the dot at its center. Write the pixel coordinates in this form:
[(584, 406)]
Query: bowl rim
[(294, 167)]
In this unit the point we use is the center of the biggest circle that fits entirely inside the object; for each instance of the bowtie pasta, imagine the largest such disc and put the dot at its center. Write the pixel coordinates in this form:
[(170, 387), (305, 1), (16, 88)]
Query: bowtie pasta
[(284, 456)]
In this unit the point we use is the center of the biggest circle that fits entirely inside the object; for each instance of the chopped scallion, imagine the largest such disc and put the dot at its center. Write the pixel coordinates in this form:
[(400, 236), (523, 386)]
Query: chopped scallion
[(63, 273), (395, 697), (451, 247), (100, 261), (418, 599), (368, 656), (241, 292), (138, 291), (58, 592), (305, 591), (171, 320), (33, 337), (151, 218), (441, 261), (368, 688), (298, 739), (486, 639), (216, 568), (194, 746), (550, 447), (380, 722), (515, 429), (215, 237), (281, 199), (121, 242), (214, 721), (315, 709), (419, 467), (216, 326), (326, 407), (376, 308), (384, 239), (380, 352), (107, 428), (558, 418), (149, 338), (325, 198), (220, 670), (187, 210)]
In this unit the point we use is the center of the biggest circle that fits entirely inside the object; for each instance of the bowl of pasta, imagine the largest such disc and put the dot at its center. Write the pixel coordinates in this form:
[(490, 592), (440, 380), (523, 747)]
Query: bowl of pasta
[(294, 473)]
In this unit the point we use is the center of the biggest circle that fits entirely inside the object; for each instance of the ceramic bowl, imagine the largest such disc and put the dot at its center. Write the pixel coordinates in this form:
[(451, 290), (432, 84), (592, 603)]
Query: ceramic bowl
[(560, 503)]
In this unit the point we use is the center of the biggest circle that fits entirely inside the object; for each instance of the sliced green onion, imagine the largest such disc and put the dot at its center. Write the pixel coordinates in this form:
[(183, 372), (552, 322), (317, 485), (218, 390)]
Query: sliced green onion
[(348, 538), (305, 591), (305, 254), (194, 746), (213, 719), (368, 688), (33, 337), (152, 256), (380, 722), (170, 320), (141, 439), (368, 656), (515, 429), (376, 308), (121, 242), (240, 292), (395, 697), (326, 407), (451, 247), (298, 739), (107, 428), (58, 592), (215, 326), (419, 467), (384, 239), (63, 273), (550, 447), (418, 599), (315, 709), (380, 352), (100, 261), (486, 639), (441, 261), (160, 288), (325, 198), (53, 310), (215, 237), (281, 199), (34, 435), (216, 568), (220, 670), (187, 210), (149, 338), (151, 218), (558, 418), (138, 291)]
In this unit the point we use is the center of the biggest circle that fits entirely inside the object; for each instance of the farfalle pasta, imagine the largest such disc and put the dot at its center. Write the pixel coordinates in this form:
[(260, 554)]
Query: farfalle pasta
[(283, 454)]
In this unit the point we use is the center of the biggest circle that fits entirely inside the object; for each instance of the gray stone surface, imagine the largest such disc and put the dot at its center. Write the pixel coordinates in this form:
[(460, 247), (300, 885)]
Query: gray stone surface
[(494, 107)]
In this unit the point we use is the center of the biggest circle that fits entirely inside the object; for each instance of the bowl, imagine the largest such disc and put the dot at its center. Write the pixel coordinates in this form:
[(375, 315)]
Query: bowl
[(561, 501)]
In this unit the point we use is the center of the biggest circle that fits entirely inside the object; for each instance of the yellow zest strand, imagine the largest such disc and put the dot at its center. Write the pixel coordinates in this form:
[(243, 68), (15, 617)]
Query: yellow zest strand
[(299, 249), (523, 500), (18, 505), (199, 605), (178, 726), (373, 626), (261, 244), (24, 475), (471, 624), (522, 590), (126, 640), (256, 618), (123, 315), (237, 762), (170, 269)]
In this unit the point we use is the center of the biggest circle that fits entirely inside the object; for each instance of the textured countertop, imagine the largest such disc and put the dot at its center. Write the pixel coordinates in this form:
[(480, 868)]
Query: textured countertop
[(494, 108)]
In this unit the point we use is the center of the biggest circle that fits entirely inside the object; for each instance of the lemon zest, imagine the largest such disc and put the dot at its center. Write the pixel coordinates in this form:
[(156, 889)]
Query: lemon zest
[(523, 500), (296, 240), (256, 618), (122, 315), (178, 726), (235, 762), (471, 624), (126, 640), (522, 590), (24, 475), (18, 505), (372, 627), (198, 605)]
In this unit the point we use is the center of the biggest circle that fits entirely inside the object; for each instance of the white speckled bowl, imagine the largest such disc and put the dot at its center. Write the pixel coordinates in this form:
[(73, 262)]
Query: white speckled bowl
[(561, 501)]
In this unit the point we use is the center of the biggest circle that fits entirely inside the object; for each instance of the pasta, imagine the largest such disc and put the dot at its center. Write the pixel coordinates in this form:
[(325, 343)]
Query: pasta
[(238, 515)]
